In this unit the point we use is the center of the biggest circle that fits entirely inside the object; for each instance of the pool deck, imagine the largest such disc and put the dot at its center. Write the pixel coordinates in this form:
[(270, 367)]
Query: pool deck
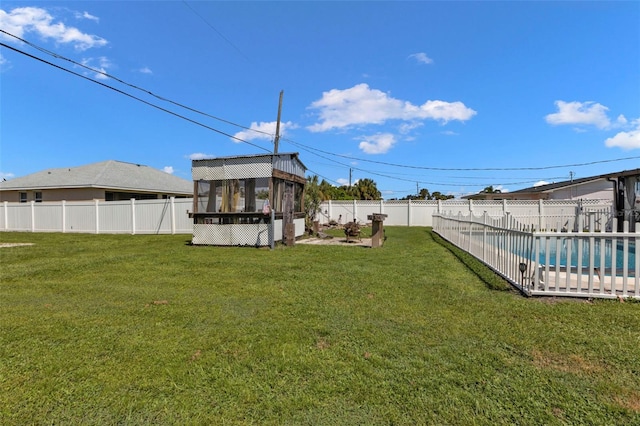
[(561, 282)]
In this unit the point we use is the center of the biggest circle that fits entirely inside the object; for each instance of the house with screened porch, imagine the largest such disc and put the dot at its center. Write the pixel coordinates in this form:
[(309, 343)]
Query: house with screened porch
[(249, 200)]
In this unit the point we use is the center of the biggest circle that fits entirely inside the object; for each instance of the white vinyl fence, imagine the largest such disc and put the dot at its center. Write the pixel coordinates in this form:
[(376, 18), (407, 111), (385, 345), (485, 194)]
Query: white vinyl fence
[(587, 261), (168, 216), (555, 213)]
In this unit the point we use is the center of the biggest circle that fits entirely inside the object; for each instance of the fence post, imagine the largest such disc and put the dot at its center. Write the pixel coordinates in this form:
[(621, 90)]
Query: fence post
[(96, 204), (64, 216), (355, 210), (504, 206), (541, 220), (381, 206), (470, 206), (133, 216), (33, 216), (6, 215), (409, 212), (484, 236), (173, 215), (625, 258)]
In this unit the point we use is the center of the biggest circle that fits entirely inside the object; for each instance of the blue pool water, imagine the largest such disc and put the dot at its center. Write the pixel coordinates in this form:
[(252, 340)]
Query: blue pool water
[(608, 252)]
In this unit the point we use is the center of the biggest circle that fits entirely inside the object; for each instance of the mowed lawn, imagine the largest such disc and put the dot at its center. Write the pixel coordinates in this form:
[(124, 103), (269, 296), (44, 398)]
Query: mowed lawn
[(121, 329)]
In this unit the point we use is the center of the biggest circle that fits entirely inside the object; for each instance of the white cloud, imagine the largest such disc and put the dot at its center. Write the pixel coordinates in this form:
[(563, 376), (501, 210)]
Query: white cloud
[(5, 176), (263, 130), (626, 140), (343, 181), (540, 183), (361, 105), (22, 20), (377, 144), (168, 169), (406, 128), (421, 58), (449, 133), (100, 69), (145, 70), (200, 156), (586, 113), (86, 15)]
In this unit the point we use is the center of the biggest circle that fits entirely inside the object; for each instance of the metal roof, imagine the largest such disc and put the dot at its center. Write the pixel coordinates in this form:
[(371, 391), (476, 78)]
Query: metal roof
[(564, 184), (247, 166), (111, 174), (557, 185)]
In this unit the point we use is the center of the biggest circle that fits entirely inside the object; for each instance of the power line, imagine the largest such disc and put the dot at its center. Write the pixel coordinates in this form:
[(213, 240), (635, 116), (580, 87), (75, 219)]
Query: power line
[(215, 29), (132, 96), (307, 148), (133, 86), (324, 177), (457, 169)]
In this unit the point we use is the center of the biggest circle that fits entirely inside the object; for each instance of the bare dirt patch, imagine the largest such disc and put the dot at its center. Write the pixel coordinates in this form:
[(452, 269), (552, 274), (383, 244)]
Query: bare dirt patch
[(568, 364), (630, 401), (364, 242), (322, 344)]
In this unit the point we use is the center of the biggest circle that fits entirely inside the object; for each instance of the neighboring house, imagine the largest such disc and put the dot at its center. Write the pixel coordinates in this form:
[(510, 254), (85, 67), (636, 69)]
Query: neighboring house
[(622, 189), (602, 187), (107, 181)]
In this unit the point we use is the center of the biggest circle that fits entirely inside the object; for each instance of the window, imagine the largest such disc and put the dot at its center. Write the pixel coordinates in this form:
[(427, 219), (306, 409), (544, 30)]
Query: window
[(232, 195), (23, 197), (38, 196)]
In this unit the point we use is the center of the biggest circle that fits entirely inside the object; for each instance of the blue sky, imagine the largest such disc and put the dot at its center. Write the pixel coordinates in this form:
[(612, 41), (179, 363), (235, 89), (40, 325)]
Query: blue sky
[(448, 96)]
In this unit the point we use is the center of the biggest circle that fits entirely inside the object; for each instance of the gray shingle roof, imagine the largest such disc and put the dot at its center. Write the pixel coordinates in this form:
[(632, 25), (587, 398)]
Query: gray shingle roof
[(557, 185), (111, 174)]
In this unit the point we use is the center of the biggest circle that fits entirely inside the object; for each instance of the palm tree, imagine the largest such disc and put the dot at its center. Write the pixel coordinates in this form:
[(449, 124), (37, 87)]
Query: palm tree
[(326, 190), (366, 189), (491, 190), (312, 199)]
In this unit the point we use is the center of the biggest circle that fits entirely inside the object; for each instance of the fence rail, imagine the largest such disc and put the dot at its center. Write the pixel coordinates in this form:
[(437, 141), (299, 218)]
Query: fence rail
[(420, 212), (170, 216), (590, 261), (167, 216)]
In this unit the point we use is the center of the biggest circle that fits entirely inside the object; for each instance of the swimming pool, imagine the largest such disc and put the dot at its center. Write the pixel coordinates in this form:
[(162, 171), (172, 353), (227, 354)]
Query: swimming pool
[(561, 248)]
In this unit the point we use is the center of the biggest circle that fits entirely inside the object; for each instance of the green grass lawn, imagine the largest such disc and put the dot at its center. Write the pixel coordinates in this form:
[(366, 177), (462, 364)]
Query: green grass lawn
[(121, 329)]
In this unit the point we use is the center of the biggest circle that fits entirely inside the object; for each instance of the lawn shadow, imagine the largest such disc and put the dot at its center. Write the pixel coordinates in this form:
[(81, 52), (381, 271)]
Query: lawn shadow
[(492, 280)]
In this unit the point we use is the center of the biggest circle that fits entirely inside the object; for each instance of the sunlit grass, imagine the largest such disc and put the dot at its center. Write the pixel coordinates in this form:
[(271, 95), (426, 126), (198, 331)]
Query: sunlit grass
[(104, 329)]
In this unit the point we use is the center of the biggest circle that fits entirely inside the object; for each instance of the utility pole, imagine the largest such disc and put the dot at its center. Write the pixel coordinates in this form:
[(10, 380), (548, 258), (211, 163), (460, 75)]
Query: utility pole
[(417, 190), (571, 187), (277, 139), (350, 169)]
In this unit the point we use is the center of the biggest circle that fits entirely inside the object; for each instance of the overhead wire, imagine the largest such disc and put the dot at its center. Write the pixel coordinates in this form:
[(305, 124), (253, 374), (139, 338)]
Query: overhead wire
[(457, 169), (216, 30), (312, 150), (133, 86), (133, 97)]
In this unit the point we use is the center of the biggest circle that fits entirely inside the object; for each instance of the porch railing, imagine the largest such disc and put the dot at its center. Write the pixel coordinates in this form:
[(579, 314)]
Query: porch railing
[(584, 260)]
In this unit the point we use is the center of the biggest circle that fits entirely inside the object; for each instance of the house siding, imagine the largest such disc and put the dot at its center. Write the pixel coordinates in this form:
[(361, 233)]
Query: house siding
[(71, 194), (594, 190)]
